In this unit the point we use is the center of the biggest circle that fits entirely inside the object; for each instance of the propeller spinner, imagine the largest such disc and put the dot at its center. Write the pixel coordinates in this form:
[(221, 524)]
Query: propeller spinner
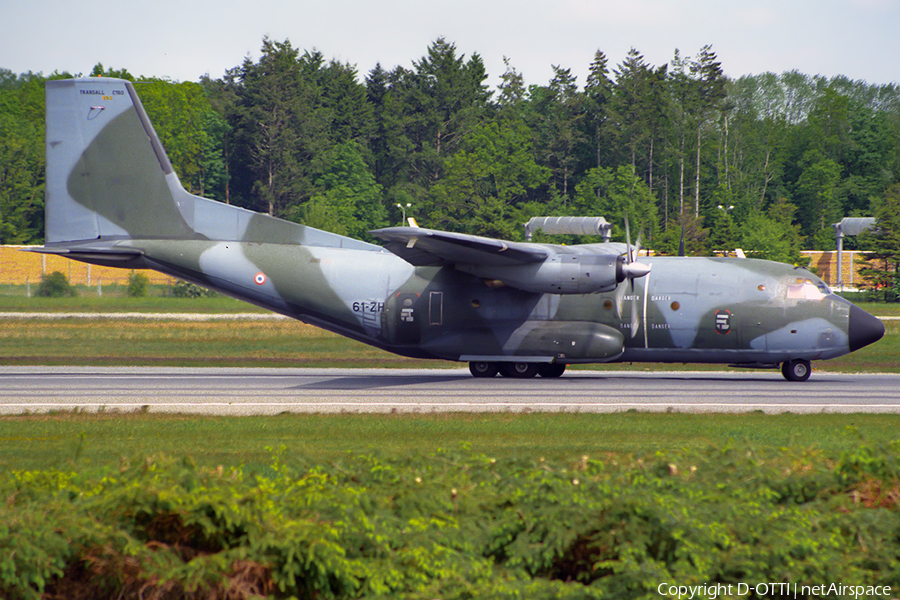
[(633, 269)]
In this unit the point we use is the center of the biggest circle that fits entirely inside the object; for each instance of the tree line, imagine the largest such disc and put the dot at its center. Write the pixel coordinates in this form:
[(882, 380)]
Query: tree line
[(764, 162)]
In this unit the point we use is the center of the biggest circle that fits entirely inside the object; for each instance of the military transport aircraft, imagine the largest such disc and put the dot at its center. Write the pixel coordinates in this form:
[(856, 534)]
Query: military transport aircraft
[(516, 308)]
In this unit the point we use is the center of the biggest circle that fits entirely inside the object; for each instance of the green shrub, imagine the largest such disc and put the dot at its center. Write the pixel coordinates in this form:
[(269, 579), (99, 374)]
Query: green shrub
[(138, 285), (55, 285), (185, 289), (453, 525)]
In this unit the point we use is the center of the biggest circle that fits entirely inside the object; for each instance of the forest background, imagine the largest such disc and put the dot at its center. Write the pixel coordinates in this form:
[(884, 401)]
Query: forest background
[(764, 162)]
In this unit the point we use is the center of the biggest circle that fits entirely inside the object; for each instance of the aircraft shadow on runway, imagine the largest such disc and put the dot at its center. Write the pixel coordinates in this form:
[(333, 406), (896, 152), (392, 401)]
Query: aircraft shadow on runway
[(360, 382), (367, 382)]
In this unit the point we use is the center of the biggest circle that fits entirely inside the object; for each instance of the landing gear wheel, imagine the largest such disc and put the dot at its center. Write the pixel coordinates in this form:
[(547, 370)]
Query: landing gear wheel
[(796, 370), (483, 369), (552, 370), (518, 370)]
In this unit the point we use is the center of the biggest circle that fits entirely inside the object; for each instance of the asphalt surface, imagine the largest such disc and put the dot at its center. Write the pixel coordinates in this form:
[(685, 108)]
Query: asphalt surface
[(273, 391)]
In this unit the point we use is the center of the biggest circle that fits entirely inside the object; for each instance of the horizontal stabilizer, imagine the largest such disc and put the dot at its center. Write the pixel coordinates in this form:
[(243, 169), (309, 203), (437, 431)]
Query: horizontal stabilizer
[(85, 252), (97, 254)]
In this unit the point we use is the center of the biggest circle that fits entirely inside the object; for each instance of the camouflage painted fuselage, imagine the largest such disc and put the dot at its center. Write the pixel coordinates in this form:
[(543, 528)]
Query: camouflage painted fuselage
[(114, 199), (685, 310)]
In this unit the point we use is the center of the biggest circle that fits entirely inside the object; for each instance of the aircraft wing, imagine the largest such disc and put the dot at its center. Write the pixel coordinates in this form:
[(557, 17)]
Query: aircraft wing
[(430, 248)]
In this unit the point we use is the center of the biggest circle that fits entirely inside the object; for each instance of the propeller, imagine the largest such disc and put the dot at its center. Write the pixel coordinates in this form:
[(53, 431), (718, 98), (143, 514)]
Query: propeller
[(632, 270)]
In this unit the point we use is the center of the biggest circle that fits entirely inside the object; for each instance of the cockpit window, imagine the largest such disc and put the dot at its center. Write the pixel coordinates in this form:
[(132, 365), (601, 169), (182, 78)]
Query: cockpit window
[(807, 289)]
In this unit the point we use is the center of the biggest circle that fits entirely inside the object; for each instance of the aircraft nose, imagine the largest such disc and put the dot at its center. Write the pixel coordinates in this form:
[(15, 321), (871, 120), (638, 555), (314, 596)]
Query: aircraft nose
[(864, 328)]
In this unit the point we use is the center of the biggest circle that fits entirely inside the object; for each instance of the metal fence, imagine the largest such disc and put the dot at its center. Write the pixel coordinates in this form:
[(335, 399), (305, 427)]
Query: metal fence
[(824, 264), (22, 268)]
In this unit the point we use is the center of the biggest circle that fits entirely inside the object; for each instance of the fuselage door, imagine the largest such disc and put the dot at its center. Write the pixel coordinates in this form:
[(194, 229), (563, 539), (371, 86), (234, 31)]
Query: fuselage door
[(402, 318), (436, 308)]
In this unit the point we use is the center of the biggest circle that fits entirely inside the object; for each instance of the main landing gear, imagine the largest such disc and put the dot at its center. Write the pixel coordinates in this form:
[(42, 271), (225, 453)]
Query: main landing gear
[(793, 370), (517, 370), (796, 370)]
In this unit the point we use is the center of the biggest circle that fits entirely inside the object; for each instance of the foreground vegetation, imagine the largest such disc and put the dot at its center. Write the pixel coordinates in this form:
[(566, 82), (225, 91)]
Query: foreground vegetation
[(529, 506)]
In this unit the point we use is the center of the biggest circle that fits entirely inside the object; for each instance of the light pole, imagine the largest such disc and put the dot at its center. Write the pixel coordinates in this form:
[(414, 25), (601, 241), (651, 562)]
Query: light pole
[(403, 210), (724, 233)]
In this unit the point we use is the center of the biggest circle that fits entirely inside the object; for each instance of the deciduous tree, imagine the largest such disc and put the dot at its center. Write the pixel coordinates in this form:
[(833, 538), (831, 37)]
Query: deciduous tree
[(486, 179)]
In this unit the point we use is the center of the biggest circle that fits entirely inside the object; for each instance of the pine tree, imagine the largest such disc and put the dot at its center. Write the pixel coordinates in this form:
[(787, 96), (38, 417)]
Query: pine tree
[(710, 86), (630, 103), (274, 101), (512, 87), (598, 93), (883, 244), (564, 118)]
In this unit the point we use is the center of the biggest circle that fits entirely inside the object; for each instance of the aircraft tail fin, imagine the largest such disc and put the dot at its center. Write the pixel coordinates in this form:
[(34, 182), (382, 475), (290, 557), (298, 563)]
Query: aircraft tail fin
[(108, 178), (107, 173)]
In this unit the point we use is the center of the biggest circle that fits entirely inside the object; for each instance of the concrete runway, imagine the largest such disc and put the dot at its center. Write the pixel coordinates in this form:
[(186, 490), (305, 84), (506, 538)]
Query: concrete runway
[(273, 391)]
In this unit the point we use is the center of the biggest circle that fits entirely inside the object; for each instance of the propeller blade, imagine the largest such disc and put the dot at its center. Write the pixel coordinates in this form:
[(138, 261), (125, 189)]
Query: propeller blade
[(628, 256), (635, 320), (620, 300), (637, 247)]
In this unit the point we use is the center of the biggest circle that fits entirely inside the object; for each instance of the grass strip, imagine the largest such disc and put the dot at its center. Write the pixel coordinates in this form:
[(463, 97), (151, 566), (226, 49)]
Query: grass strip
[(94, 342), (83, 440)]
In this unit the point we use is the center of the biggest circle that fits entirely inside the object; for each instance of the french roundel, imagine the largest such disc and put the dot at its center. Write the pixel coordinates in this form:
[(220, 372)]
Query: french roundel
[(259, 278)]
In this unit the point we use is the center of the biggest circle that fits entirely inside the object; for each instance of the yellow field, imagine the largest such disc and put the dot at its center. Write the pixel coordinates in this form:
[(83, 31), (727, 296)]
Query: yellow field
[(19, 268)]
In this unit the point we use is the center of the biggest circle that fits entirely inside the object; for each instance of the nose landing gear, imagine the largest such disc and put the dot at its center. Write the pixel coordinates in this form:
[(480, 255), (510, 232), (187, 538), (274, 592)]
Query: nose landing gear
[(796, 370)]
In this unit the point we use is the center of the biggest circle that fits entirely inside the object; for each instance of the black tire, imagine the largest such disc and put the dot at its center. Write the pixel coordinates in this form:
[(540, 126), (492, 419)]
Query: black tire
[(796, 370), (483, 369), (518, 370), (552, 370)]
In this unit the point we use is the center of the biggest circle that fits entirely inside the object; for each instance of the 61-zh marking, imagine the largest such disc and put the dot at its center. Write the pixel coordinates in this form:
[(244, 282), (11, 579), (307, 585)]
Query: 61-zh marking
[(372, 306)]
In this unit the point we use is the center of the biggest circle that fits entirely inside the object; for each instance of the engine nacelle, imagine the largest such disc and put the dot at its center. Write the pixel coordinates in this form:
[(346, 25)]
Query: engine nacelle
[(560, 274)]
